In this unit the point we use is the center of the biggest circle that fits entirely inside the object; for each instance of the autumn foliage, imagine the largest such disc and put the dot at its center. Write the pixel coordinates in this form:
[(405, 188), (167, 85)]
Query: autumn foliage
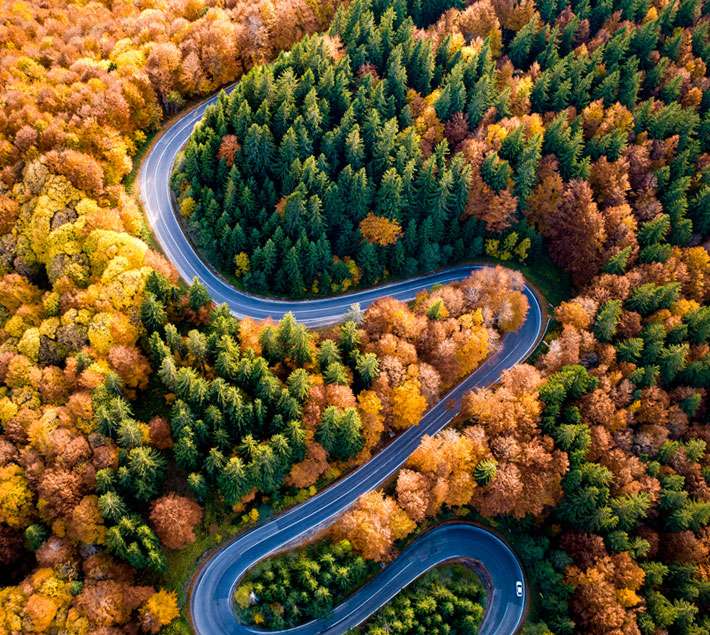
[(373, 525), (83, 85), (159, 610), (580, 128), (380, 230), (174, 519)]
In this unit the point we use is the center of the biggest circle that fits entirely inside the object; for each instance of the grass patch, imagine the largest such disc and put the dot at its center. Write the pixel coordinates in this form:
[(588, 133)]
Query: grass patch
[(552, 282), (217, 527)]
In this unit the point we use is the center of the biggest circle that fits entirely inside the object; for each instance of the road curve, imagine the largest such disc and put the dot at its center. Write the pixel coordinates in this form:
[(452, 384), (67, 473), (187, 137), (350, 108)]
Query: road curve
[(211, 598), (154, 180)]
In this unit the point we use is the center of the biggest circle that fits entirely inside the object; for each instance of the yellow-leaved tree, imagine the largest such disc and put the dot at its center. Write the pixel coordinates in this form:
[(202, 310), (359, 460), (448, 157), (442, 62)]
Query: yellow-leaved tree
[(373, 525), (15, 496), (408, 404), (159, 610), (380, 230)]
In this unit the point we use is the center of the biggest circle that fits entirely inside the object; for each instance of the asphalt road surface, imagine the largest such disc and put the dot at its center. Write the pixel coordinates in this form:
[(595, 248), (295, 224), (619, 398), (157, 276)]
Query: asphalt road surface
[(211, 598)]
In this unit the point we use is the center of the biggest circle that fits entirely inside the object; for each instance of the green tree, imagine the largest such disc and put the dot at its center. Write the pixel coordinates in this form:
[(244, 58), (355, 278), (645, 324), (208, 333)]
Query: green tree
[(198, 295), (349, 338), (35, 535), (649, 298), (328, 353), (336, 373), (340, 432), (618, 262), (232, 481), (367, 367), (112, 506), (143, 473), (485, 471), (607, 320), (299, 384), (153, 313)]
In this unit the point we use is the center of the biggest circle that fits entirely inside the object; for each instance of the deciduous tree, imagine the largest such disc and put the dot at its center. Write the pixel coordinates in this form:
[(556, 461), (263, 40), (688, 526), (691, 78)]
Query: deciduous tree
[(174, 519)]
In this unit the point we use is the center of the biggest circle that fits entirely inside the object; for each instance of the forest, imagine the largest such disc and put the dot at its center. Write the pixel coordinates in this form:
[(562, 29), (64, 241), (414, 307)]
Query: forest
[(363, 142), (383, 149), (298, 588), (446, 600)]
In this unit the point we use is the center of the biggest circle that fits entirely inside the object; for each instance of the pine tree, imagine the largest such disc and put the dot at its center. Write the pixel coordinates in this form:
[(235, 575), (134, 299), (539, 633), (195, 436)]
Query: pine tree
[(396, 78), (654, 231), (214, 462), (369, 264), (349, 338), (328, 353), (292, 270), (336, 373), (354, 148), (301, 348), (112, 506), (339, 432), (495, 172), (453, 96), (485, 471), (185, 450), (145, 471), (649, 298), (299, 384), (197, 484), (618, 262), (258, 148), (159, 286), (388, 200), (262, 470), (607, 320), (152, 313), (198, 295), (368, 368), (232, 481)]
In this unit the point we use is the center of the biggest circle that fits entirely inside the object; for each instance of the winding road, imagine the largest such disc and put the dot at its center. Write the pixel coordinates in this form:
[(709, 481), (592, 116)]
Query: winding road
[(211, 598)]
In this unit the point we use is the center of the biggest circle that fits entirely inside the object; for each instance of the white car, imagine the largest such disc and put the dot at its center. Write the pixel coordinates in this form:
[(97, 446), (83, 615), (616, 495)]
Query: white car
[(519, 589)]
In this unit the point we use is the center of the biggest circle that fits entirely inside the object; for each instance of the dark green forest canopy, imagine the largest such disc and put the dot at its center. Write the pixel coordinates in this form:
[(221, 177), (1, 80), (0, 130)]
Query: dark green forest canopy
[(284, 170), (330, 144)]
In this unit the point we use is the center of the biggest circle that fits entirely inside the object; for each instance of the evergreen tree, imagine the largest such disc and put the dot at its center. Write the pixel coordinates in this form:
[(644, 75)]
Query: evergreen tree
[(152, 313), (299, 384), (368, 368), (485, 471), (339, 432), (143, 473), (198, 295), (649, 298), (232, 481), (607, 319)]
